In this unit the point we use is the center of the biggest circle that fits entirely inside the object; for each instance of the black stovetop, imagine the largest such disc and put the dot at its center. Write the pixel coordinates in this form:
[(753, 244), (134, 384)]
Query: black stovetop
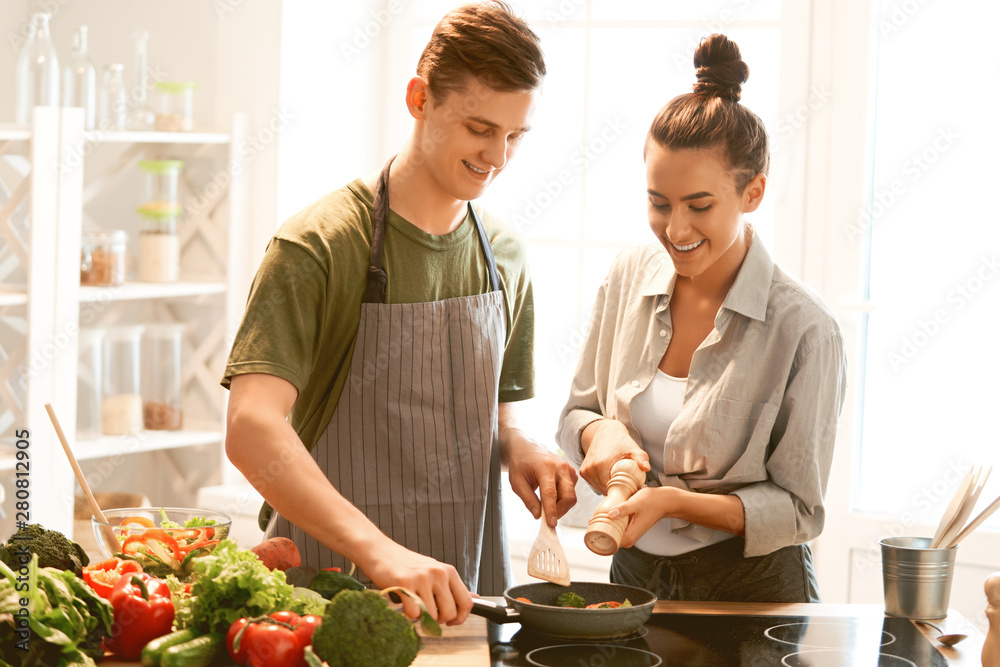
[(709, 640)]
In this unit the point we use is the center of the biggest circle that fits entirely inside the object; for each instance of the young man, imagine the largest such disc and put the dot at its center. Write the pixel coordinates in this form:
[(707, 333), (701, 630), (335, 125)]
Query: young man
[(393, 323)]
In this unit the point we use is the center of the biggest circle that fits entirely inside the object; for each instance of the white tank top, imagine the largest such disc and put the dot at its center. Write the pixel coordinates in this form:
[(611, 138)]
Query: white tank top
[(653, 411)]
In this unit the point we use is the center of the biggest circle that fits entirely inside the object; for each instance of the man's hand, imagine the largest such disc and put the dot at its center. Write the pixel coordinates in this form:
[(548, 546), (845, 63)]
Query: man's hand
[(437, 583), (605, 442), (531, 466)]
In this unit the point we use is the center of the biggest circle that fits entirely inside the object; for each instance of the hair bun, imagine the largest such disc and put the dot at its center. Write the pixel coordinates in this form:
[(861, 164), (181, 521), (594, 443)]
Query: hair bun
[(720, 70)]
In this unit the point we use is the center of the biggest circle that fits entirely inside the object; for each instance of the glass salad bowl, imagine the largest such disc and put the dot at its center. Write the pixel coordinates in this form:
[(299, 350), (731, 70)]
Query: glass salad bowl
[(163, 540)]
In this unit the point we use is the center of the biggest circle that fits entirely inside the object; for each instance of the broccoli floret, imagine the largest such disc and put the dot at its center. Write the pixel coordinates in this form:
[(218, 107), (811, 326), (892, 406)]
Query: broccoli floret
[(571, 600), (360, 628), (53, 548)]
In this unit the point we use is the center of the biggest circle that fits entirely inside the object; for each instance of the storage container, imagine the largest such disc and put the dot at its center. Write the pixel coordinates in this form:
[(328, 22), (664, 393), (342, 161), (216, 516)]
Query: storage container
[(121, 402), (159, 248), (160, 180), (88, 384), (161, 377), (102, 257), (176, 106)]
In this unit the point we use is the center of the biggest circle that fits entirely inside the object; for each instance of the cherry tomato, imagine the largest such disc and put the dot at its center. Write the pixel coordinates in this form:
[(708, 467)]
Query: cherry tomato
[(271, 645), (238, 657)]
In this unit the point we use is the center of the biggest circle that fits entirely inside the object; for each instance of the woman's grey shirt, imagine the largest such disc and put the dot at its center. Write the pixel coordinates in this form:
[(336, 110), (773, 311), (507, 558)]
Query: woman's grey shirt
[(764, 391)]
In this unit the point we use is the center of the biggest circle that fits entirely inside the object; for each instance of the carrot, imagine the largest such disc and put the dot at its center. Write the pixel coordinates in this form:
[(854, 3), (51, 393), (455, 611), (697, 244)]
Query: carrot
[(278, 553)]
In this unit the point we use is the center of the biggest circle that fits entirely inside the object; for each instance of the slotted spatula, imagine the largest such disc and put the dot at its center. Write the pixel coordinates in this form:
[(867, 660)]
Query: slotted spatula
[(546, 560)]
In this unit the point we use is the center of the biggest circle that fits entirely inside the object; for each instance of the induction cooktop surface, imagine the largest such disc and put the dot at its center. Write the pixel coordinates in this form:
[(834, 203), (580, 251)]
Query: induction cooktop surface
[(693, 640)]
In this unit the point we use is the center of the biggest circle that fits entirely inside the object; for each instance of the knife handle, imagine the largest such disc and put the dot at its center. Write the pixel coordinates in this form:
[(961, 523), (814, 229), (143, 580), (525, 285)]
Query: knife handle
[(604, 534)]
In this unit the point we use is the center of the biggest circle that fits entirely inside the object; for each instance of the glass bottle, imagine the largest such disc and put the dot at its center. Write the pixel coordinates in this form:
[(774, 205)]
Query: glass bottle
[(37, 70), (114, 100), (161, 377), (141, 116), (121, 402), (80, 80)]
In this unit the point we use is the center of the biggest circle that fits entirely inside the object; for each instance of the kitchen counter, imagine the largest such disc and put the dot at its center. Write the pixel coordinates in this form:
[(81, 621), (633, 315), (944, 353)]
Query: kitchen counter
[(459, 646), (467, 645)]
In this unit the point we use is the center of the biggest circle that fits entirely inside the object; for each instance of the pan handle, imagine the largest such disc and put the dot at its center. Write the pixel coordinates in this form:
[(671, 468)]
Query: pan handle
[(494, 612)]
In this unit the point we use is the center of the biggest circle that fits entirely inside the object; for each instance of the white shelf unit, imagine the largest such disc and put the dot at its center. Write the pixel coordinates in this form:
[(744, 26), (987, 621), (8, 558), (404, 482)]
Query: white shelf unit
[(55, 179)]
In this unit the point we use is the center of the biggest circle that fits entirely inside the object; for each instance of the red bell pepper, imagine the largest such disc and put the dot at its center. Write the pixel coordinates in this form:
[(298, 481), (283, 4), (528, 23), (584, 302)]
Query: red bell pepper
[(143, 611), (103, 576), (140, 541)]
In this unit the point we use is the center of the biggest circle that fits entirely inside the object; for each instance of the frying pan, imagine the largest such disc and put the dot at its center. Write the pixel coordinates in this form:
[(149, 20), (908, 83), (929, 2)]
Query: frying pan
[(541, 615)]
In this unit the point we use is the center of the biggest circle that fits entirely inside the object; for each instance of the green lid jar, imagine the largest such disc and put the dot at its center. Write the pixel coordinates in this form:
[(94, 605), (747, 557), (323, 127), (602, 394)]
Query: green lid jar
[(175, 112)]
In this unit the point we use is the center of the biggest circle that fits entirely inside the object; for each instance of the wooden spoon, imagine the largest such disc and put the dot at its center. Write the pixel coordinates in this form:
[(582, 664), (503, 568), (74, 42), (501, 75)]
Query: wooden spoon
[(954, 507), (968, 504), (110, 541)]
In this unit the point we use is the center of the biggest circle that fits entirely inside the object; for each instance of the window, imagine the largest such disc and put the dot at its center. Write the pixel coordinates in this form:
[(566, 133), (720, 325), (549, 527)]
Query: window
[(933, 281)]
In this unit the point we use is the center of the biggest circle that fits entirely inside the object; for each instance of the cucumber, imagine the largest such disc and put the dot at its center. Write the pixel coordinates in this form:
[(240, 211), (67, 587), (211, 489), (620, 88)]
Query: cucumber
[(154, 650), (199, 652)]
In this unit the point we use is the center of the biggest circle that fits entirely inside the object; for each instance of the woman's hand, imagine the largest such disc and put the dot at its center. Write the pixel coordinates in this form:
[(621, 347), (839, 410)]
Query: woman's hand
[(605, 442), (646, 506)]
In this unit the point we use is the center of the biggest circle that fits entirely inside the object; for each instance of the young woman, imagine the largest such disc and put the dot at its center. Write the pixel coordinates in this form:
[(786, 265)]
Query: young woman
[(719, 373)]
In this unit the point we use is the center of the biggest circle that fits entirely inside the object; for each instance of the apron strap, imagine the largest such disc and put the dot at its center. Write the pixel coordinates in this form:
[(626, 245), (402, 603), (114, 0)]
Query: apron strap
[(375, 287), (377, 278)]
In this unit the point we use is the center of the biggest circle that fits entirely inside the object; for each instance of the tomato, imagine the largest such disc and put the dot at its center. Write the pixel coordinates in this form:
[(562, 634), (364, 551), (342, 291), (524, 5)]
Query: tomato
[(289, 617), (304, 630), (238, 657), (271, 645), (266, 644)]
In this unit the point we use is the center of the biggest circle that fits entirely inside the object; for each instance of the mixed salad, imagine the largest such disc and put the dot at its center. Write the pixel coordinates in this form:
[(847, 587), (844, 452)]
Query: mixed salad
[(170, 547)]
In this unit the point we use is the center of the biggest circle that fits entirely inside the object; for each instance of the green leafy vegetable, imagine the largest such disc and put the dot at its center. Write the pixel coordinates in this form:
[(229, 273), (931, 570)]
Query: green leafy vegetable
[(232, 583), (66, 619)]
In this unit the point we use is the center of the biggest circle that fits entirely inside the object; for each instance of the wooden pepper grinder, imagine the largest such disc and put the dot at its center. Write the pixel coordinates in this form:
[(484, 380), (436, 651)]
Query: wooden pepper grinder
[(991, 647), (604, 535)]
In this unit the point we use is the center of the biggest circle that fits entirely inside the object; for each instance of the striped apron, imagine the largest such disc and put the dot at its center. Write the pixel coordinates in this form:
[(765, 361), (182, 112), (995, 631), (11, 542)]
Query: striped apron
[(413, 440)]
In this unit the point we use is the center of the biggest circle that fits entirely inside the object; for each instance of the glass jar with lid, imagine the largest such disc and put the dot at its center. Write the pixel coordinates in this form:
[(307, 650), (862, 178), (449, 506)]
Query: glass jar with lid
[(102, 257), (88, 384), (121, 397), (160, 185), (159, 247), (161, 376), (176, 106)]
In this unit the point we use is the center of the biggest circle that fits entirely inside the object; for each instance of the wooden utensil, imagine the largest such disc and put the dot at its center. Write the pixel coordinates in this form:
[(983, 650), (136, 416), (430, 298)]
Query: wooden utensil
[(983, 516), (546, 560), (604, 534), (968, 505), (953, 508), (108, 535)]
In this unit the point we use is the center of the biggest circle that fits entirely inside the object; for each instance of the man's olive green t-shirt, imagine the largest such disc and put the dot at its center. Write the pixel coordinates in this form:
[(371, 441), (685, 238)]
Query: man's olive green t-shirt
[(304, 307)]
